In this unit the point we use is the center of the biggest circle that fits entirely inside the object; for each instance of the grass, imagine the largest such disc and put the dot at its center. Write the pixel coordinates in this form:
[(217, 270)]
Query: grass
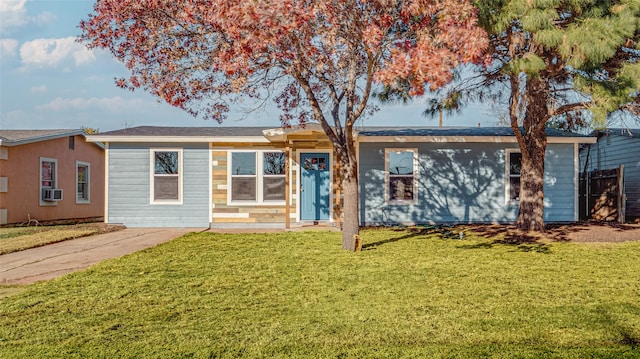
[(13, 239), (298, 295)]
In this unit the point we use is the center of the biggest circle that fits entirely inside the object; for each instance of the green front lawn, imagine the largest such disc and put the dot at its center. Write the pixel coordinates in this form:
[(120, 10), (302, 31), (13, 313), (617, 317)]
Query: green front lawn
[(299, 295), (13, 239)]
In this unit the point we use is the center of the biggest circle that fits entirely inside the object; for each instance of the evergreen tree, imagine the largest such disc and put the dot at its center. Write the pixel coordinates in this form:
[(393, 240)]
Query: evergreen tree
[(557, 61)]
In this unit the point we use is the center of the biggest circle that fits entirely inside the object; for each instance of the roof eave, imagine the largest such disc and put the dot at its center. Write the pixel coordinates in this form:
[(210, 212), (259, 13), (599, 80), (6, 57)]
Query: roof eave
[(176, 139), (29, 140), (468, 139)]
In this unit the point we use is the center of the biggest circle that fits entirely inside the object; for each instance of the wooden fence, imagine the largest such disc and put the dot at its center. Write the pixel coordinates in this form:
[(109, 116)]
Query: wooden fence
[(602, 195)]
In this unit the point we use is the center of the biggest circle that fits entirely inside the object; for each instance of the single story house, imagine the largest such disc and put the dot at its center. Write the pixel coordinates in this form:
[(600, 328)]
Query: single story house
[(50, 175), (282, 177), (615, 147)]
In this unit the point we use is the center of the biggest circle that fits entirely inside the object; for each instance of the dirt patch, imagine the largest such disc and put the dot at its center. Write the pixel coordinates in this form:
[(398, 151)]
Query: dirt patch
[(595, 232), (575, 232)]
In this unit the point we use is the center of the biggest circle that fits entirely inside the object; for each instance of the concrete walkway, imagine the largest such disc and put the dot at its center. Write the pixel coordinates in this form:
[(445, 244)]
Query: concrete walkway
[(50, 261)]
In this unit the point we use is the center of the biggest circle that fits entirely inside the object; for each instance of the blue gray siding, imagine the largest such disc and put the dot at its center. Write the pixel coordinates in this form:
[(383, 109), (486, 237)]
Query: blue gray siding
[(129, 187), (462, 183), (611, 151)]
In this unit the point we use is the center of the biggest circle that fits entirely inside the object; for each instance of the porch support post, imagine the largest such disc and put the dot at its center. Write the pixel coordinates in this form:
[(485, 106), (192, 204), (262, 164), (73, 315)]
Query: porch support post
[(287, 188)]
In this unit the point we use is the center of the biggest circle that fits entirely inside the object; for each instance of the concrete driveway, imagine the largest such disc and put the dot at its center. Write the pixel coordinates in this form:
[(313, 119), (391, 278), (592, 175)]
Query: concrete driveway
[(50, 261)]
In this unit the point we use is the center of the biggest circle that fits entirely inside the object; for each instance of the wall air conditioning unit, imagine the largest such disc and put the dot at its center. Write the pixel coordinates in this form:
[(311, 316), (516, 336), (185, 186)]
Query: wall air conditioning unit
[(51, 195)]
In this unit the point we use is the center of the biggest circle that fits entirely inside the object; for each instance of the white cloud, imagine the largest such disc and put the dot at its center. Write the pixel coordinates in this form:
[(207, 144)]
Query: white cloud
[(110, 104), (8, 48), (41, 53), (13, 13), (43, 19), (39, 89), (13, 16)]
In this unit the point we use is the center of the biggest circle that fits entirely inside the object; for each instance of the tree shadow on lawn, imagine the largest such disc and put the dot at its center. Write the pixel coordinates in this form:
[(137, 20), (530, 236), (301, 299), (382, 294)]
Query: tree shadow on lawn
[(628, 336), (407, 232), (590, 231), (444, 232), (506, 236), (509, 235)]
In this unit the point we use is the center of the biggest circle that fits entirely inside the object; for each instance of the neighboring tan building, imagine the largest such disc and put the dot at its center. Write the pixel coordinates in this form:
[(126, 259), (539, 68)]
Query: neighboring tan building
[(50, 175)]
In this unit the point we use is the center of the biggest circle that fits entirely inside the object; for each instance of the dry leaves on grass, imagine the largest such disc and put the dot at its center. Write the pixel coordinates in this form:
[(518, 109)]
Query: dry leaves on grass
[(574, 232)]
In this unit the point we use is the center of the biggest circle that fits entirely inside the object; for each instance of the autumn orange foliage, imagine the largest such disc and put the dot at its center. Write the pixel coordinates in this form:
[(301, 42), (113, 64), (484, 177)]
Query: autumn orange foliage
[(197, 54), (318, 60)]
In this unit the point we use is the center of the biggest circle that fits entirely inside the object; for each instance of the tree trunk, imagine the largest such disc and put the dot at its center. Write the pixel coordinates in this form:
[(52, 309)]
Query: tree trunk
[(351, 220), (533, 145), (531, 207)]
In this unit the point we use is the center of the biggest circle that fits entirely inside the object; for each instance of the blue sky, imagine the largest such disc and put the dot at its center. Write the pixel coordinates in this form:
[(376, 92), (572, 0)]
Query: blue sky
[(48, 80)]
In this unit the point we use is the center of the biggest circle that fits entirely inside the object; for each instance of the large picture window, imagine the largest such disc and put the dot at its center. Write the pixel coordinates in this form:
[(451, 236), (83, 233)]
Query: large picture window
[(82, 182), (514, 165), (257, 176), (401, 170), (166, 176)]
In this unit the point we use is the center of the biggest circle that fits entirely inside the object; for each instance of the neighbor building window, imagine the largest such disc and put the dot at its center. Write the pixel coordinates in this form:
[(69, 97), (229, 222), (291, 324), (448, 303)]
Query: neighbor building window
[(166, 176), (401, 167), (48, 179), (257, 176), (514, 166), (82, 182)]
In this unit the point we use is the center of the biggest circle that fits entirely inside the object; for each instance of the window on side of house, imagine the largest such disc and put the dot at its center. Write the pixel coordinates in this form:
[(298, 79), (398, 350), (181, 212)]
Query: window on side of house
[(513, 168), (273, 176), (82, 182), (166, 176), (243, 176), (48, 178), (401, 171), (257, 177)]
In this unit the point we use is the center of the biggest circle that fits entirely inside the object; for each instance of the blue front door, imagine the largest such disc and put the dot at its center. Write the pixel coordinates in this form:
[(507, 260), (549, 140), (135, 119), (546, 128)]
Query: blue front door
[(314, 186)]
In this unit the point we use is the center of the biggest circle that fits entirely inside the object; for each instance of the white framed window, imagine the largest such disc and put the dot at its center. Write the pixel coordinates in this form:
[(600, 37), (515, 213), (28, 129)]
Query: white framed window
[(257, 177), (401, 171), (166, 176), (513, 166), (48, 178), (82, 182), (273, 176)]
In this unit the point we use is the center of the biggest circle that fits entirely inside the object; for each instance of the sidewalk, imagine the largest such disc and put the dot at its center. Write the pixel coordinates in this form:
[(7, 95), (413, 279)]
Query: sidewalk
[(50, 261)]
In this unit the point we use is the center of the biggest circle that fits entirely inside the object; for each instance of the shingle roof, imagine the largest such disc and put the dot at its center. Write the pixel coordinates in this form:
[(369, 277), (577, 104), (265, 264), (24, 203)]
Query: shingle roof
[(16, 137), (629, 132), (155, 131), (455, 131)]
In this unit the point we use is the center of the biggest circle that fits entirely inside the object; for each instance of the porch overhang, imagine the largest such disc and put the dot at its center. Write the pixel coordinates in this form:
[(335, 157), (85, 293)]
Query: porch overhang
[(308, 132)]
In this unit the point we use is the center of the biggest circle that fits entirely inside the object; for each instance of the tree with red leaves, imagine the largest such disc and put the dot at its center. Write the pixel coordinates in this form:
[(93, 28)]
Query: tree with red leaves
[(319, 60)]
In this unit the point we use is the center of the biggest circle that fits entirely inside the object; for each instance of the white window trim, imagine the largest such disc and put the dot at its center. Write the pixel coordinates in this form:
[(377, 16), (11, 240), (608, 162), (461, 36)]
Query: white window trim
[(259, 176), (88, 165), (507, 176), (55, 180), (152, 160), (387, 179)]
